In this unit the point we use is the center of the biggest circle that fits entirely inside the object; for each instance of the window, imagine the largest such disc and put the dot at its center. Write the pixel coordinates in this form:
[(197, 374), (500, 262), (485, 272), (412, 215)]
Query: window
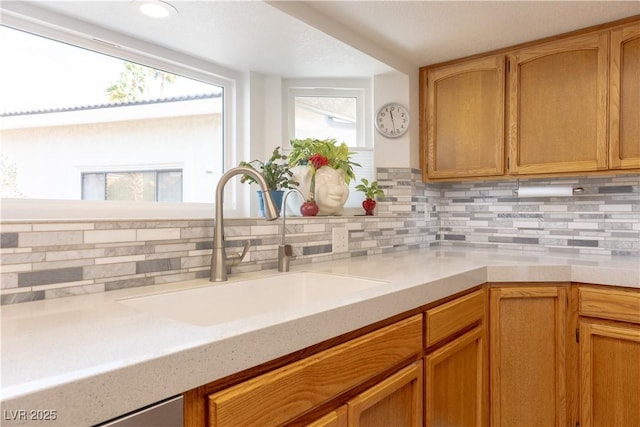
[(336, 110), (82, 125), (156, 186), (324, 113)]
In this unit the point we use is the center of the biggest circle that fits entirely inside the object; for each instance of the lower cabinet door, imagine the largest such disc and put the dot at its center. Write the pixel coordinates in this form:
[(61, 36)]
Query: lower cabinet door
[(396, 401), (528, 327), (610, 375), (337, 418), (455, 378)]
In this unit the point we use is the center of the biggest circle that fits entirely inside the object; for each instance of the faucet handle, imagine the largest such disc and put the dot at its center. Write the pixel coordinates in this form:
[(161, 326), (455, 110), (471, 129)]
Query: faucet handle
[(237, 257)]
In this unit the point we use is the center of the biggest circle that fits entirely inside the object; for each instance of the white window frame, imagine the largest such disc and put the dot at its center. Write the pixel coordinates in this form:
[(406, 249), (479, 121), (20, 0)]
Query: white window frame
[(79, 34), (347, 88), (361, 89)]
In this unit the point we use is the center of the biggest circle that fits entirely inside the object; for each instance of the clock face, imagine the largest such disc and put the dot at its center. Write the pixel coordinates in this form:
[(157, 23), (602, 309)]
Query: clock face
[(392, 120)]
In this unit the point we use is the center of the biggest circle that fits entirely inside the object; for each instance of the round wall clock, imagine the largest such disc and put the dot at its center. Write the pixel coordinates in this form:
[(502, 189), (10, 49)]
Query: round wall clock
[(392, 120)]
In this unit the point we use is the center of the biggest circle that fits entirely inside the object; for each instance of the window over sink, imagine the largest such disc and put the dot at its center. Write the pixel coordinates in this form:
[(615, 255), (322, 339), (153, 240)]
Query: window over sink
[(75, 121)]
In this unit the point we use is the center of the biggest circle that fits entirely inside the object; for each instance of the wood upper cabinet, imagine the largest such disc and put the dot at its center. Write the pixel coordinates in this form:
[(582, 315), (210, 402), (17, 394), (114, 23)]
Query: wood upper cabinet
[(527, 332), (609, 357), (465, 119), (456, 372), (565, 105), (558, 106), (624, 96)]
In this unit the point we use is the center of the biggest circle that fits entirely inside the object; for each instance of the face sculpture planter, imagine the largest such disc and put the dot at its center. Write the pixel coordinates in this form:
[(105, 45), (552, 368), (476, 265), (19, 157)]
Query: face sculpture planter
[(331, 191), (325, 177)]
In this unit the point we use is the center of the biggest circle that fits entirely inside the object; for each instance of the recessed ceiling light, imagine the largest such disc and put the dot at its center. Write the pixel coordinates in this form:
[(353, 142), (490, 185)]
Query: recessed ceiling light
[(155, 8)]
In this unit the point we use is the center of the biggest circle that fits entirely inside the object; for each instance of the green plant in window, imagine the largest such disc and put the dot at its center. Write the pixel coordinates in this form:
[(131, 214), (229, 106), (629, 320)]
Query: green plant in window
[(337, 155), (275, 171)]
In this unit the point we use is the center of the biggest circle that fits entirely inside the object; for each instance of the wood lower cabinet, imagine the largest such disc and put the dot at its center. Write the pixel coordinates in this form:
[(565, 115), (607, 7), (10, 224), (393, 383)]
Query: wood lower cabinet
[(528, 327), (456, 382), (624, 95), (609, 352), (396, 401), (543, 354), (609, 375), (284, 394), (456, 364), (465, 119), (337, 418)]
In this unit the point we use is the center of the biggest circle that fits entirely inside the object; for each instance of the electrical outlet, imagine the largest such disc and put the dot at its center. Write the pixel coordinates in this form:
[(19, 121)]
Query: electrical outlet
[(340, 240), (427, 212)]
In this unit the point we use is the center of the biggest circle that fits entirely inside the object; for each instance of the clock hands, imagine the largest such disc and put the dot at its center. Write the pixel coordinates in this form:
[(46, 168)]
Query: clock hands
[(393, 123)]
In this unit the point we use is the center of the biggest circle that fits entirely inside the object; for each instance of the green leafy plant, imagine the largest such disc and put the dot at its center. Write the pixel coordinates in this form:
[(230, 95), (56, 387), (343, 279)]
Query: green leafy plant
[(370, 190), (275, 171), (134, 82), (338, 155)]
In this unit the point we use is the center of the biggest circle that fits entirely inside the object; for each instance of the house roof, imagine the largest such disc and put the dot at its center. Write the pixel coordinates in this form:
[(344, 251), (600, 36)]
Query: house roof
[(112, 105)]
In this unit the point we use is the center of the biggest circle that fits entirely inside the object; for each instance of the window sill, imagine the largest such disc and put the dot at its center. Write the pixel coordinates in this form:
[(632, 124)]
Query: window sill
[(19, 210)]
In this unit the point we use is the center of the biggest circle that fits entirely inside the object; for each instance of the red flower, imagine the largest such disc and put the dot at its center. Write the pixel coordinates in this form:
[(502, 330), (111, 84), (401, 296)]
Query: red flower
[(318, 160)]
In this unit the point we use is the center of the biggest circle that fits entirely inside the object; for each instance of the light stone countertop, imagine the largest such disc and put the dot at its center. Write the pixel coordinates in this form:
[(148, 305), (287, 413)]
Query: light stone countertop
[(91, 358)]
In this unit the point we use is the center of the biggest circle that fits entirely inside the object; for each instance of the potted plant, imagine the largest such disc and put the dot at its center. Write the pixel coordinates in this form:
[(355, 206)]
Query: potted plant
[(327, 171), (338, 155), (371, 191), (276, 173)]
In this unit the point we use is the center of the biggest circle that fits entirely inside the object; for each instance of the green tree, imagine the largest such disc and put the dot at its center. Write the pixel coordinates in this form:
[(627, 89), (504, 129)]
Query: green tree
[(8, 178), (134, 82)]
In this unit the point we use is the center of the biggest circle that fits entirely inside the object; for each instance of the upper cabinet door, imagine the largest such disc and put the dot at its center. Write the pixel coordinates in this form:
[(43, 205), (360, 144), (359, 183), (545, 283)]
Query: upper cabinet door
[(465, 119), (624, 111), (558, 106)]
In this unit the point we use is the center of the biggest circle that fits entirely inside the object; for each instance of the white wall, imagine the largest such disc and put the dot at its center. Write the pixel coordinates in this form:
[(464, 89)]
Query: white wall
[(49, 160), (393, 152)]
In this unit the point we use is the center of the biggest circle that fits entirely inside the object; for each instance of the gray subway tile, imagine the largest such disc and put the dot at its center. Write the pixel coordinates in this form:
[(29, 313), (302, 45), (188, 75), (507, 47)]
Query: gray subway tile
[(46, 277), (455, 237), (155, 265), (526, 240), (129, 283), (22, 297), (585, 243), (109, 270), (615, 189), (8, 240), (318, 249)]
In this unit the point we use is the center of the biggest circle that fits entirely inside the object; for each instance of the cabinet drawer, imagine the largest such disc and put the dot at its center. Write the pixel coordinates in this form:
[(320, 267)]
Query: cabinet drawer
[(447, 319), (278, 396), (610, 304)]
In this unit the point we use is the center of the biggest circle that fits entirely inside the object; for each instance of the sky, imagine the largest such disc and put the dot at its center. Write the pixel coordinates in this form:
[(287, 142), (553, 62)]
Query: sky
[(38, 73)]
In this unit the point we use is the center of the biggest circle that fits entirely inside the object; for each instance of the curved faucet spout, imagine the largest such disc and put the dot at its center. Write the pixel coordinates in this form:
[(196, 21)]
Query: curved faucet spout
[(218, 257)]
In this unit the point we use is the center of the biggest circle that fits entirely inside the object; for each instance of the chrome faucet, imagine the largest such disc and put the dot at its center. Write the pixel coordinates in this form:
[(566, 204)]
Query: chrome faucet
[(219, 258), (285, 252)]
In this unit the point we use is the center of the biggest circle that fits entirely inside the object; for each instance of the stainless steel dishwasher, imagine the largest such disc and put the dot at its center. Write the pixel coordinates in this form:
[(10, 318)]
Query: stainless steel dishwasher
[(167, 413)]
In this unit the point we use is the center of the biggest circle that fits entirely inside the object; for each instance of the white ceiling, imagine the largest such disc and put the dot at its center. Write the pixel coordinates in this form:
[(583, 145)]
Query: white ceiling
[(283, 40)]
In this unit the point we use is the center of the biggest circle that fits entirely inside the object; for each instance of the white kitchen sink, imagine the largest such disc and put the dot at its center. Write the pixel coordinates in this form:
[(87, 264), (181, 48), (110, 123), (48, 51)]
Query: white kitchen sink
[(234, 300)]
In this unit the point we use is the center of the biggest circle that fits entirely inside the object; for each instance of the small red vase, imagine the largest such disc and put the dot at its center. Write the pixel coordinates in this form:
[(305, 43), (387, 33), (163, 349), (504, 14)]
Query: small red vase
[(368, 205), (309, 208)]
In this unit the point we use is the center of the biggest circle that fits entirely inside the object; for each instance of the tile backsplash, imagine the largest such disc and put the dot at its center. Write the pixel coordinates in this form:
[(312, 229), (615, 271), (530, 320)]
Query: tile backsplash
[(62, 258), (604, 219)]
